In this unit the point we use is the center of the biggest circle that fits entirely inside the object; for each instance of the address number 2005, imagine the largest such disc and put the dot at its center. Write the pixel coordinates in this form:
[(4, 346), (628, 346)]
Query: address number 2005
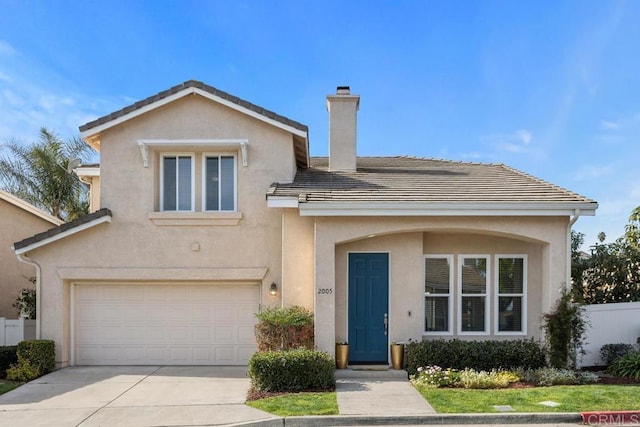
[(325, 291)]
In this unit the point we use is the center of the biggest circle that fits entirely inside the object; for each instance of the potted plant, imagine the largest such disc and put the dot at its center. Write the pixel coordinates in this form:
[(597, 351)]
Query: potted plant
[(397, 355), (342, 354)]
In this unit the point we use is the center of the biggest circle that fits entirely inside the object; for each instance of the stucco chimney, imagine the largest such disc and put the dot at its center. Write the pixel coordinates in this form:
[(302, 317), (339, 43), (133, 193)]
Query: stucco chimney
[(343, 108)]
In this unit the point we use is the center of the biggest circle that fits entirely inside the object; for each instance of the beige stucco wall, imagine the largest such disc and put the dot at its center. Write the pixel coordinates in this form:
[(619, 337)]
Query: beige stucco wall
[(94, 194), (543, 238), (298, 259), (15, 224), (133, 248)]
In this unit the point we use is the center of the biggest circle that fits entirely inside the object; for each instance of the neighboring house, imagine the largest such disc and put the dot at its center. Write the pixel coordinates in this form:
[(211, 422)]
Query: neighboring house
[(210, 208), (17, 219)]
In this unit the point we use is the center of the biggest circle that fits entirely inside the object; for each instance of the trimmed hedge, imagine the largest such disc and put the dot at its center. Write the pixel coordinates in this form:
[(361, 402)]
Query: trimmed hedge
[(293, 370), (8, 356), (478, 355), (284, 329), (35, 359)]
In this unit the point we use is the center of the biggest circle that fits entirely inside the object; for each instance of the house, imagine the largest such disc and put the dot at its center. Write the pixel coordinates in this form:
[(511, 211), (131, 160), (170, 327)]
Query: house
[(17, 219), (210, 208)]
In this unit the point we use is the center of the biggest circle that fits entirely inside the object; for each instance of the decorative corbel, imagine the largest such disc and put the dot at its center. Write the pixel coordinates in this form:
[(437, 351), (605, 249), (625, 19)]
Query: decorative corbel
[(144, 150), (243, 149)]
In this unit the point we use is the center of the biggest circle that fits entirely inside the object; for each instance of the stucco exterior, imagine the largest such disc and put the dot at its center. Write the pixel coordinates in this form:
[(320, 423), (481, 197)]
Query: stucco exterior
[(17, 220), (267, 239)]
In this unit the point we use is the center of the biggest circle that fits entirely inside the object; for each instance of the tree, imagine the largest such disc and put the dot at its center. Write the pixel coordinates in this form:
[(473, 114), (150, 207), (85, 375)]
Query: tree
[(39, 174), (632, 230)]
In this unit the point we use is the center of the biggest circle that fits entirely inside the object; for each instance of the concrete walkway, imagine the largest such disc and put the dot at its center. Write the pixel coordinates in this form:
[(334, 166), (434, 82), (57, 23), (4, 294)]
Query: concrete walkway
[(378, 393)]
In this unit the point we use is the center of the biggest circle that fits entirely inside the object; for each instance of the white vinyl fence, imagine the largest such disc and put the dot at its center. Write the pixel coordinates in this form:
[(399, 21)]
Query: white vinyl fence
[(12, 331), (610, 324)]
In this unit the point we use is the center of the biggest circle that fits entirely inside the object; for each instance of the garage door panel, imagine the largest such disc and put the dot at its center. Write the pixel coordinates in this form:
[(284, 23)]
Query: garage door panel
[(164, 324)]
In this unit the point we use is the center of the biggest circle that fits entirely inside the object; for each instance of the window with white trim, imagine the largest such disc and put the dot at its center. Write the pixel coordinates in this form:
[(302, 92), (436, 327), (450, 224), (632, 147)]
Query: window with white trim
[(177, 182), (511, 290), (473, 294), (219, 188), (438, 294)]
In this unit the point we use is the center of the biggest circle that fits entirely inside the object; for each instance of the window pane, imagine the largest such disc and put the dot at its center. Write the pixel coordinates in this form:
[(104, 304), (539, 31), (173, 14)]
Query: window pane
[(510, 275), (436, 276), (211, 184), (436, 314), (227, 183), (184, 183), (169, 188), (510, 315), (472, 314), (474, 276)]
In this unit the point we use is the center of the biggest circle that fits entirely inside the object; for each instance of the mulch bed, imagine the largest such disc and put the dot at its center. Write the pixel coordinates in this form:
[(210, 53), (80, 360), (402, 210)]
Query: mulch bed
[(606, 379)]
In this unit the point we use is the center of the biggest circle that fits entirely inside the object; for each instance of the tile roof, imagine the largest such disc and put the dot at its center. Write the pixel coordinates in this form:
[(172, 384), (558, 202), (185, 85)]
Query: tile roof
[(411, 179), (61, 229), (199, 85)]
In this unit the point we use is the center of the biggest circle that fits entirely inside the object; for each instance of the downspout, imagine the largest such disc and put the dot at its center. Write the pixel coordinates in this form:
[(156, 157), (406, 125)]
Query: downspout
[(576, 216), (26, 260)]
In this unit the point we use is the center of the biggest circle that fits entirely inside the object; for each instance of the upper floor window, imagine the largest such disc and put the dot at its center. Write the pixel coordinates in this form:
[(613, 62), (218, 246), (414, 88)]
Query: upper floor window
[(219, 189), (177, 178)]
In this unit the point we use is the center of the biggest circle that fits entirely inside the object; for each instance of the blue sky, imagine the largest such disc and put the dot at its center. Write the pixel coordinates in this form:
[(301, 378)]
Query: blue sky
[(548, 87)]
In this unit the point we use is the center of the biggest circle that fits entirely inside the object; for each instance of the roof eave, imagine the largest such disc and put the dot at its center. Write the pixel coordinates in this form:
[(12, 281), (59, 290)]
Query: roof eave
[(91, 133), (446, 209), (67, 233), (28, 207)]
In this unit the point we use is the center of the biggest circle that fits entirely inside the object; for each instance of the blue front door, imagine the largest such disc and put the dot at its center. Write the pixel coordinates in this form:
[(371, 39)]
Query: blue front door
[(368, 307)]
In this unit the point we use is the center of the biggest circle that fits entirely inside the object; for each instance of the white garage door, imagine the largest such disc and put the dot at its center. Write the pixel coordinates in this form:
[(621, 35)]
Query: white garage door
[(164, 324)]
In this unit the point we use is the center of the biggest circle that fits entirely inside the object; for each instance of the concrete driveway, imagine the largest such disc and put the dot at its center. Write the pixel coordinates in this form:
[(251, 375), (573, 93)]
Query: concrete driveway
[(132, 396)]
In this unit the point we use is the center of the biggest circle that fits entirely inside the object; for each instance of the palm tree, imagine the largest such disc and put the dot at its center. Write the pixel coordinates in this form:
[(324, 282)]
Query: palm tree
[(40, 174)]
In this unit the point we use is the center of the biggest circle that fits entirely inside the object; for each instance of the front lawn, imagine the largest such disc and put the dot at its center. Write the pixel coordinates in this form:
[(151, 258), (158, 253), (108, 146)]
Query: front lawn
[(298, 404), (579, 398), (5, 386)]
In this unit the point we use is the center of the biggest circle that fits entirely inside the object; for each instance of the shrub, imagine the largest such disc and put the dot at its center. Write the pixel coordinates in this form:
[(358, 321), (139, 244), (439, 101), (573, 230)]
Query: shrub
[(611, 352), (627, 365), (23, 372), (554, 376), (470, 378), (284, 328), (292, 370), (478, 355), (35, 358), (8, 356), (564, 328)]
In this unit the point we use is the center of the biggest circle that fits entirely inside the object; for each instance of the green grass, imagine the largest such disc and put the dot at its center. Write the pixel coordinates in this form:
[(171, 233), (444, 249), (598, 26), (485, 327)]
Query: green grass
[(298, 404), (5, 386), (571, 399)]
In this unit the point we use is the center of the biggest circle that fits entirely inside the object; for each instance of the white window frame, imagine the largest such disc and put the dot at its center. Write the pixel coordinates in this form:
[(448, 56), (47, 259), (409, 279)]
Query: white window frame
[(525, 272), (193, 179), (204, 178), (450, 295), (486, 295)]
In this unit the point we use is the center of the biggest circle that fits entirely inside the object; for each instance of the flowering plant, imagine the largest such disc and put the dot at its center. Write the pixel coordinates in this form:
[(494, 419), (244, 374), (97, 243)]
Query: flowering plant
[(434, 376)]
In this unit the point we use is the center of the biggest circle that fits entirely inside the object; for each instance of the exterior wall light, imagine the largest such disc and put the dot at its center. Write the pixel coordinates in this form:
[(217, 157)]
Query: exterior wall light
[(273, 290)]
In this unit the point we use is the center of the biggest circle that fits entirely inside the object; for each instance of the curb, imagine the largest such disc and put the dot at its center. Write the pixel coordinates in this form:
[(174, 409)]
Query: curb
[(435, 419)]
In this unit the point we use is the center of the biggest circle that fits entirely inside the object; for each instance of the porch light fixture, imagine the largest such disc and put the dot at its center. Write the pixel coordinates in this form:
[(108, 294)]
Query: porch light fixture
[(273, 289)]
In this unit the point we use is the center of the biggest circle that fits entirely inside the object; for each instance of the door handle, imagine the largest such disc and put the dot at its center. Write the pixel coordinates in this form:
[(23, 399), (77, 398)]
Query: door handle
[(386, 324)]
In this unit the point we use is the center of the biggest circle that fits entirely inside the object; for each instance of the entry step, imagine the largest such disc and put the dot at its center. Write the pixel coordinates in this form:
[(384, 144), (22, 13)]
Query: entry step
[(372, 372)]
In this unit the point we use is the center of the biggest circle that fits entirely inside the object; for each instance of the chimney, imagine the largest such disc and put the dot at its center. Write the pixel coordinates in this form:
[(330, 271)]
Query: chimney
[(343, 108)]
